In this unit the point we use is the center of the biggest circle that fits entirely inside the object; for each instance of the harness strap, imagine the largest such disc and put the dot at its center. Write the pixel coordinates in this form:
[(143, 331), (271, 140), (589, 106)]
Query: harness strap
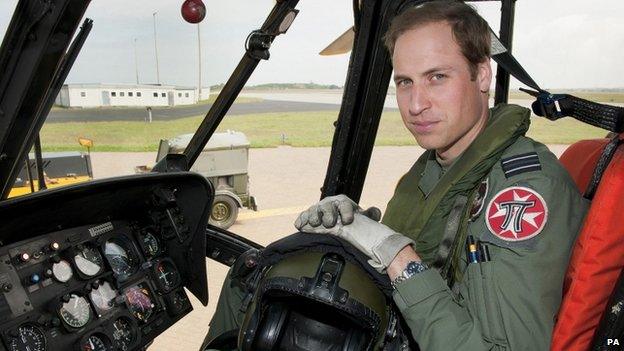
[(601, 166)]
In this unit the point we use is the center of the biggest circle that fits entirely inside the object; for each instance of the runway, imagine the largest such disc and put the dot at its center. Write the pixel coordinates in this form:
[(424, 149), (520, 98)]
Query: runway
[(172, 113)]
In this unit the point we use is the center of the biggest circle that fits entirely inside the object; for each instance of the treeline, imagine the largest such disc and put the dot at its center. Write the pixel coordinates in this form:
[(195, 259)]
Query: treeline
[(282, 86)]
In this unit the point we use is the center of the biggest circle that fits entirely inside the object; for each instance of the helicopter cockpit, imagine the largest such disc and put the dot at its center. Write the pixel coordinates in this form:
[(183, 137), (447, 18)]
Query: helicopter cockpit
[(109, 264)]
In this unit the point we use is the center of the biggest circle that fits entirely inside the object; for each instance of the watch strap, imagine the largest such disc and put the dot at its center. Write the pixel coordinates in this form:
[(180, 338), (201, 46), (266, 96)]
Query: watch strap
[(412, 268)]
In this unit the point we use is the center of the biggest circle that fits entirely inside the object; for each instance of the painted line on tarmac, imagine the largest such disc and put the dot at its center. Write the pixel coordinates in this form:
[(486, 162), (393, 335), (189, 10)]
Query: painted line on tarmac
[(272, 212)]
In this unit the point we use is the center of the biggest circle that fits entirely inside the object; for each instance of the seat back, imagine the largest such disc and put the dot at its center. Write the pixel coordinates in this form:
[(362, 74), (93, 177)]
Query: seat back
[(597, 258), (580, 160)]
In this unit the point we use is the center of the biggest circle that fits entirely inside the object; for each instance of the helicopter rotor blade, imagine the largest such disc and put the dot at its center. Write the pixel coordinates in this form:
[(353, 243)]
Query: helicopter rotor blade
[(342, 45)]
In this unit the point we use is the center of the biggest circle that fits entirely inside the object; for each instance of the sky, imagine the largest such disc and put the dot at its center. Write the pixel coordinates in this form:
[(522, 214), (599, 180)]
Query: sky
[(561, 43)]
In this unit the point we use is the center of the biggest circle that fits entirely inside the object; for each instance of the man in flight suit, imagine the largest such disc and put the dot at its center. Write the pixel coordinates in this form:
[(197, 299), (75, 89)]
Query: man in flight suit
[(477, 236)]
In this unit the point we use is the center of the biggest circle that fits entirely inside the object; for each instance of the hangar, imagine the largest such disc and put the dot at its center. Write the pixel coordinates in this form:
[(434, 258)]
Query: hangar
[(100, 95)]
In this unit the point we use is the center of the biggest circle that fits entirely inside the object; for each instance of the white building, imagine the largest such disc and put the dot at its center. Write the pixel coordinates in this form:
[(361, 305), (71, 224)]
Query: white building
[(98, 95)]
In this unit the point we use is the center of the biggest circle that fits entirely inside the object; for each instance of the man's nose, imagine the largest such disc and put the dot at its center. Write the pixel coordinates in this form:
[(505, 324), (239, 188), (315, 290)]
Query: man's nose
[(419, 100)]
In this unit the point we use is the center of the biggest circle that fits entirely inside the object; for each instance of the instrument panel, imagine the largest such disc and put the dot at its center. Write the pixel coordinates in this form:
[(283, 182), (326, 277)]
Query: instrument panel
[(112, 285)]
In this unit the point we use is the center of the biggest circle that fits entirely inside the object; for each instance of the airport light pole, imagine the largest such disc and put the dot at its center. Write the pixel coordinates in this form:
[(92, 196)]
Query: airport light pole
[(136, 62), (199, 82), (156, 49)]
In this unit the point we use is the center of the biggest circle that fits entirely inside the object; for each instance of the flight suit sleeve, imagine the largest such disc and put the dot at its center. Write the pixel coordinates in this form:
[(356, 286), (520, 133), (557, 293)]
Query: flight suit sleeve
[(510, 302), (228, 315)]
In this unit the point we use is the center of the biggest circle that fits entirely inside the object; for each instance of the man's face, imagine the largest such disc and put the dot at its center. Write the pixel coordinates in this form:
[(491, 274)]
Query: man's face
[(439, 102)]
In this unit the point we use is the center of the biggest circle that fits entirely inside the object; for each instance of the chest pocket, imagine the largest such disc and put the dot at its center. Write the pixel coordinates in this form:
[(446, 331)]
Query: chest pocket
[(481, 299)]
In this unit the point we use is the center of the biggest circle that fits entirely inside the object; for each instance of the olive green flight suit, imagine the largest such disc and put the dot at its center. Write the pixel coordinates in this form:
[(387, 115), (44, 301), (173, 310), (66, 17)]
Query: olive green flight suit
[(511, 301), (508, 303), (228, 315)]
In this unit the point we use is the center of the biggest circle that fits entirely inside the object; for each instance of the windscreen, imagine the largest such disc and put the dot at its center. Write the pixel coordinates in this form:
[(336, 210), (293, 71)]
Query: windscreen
[(146, 75)]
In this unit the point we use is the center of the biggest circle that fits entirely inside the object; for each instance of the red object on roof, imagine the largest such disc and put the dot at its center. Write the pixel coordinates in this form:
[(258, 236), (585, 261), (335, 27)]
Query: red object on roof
[(193, 11)]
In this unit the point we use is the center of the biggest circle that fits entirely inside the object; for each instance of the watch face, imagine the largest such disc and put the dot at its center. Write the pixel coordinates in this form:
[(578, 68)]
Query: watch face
[(414, 268)]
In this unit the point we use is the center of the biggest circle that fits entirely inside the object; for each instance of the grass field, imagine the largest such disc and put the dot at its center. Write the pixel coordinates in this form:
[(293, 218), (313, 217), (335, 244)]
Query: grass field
[(300, 129)]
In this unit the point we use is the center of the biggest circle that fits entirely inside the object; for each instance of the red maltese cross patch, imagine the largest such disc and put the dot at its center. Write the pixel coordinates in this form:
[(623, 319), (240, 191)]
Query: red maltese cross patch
[(516, 213)]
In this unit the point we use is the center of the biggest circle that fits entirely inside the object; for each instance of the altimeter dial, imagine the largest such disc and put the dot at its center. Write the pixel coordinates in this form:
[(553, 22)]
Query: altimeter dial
[(75, 311), (88, 260), (62, 271), (96, 342), (29, 338), (123, 333), (151, 246)]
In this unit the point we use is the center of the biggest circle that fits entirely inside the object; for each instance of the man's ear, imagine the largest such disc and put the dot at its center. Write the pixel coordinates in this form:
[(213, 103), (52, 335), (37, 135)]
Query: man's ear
[(484, 76)]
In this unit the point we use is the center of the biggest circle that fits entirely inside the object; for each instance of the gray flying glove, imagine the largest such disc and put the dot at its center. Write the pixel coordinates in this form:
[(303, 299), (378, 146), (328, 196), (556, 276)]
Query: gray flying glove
[(332, 208), (372, 238)]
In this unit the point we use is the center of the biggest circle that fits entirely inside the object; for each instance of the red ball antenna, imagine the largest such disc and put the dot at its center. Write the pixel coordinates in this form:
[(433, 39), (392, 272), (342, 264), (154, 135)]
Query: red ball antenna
[(193, 11)]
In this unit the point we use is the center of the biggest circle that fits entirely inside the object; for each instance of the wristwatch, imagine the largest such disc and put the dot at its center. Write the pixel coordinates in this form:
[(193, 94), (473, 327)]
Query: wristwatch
[(413, 268)]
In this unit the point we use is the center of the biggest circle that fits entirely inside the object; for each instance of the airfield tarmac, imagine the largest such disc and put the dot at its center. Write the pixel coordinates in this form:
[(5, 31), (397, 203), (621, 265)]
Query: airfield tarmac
[(168, 114), (285, 181)]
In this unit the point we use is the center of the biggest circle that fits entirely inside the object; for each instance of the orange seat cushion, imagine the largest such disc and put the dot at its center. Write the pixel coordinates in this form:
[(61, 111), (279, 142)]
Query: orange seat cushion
[(580, 160), (597, 257)]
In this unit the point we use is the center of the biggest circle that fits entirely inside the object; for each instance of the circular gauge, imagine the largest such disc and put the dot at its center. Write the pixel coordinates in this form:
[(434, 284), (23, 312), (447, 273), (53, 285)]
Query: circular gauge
[(76, 312), (88, 261), (103, 297), (96, 342), (123, 333), (150, 244), (122, 259), (29, 338), (139, 302), (177, 302), (62, 271), (167, 275)]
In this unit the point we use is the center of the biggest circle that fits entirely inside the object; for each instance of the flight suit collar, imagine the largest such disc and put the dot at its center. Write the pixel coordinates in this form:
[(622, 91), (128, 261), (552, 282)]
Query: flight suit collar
[(430, 175)]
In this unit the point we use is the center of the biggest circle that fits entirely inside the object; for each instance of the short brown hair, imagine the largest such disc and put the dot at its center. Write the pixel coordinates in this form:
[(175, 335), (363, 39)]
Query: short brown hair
[(470, 30)]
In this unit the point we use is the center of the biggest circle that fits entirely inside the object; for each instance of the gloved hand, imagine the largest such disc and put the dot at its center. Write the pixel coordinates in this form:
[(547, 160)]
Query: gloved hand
[(372, 238), (332, 208)]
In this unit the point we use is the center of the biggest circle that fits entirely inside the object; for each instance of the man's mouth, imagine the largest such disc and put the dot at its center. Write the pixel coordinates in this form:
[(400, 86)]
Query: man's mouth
[(424, 126)]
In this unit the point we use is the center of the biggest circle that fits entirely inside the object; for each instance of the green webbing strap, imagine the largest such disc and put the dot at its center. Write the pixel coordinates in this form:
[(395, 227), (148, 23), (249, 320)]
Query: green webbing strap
[(450, 233), (451, 270)]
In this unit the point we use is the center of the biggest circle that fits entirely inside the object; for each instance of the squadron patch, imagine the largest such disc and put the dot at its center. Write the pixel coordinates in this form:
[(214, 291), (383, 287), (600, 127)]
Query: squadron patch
[(478, 202), (516, 213)]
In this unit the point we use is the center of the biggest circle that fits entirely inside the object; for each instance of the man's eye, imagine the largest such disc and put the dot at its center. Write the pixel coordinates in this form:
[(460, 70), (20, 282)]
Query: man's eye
[(438, 76), (403, 82)]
